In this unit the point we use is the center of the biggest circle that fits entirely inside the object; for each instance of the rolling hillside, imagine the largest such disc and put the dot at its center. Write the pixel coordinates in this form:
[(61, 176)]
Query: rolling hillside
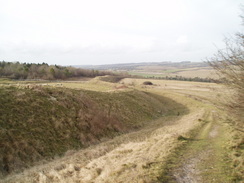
[(167, 70)]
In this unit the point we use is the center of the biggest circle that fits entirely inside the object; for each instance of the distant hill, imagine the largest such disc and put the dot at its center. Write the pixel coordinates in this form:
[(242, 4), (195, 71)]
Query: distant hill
[(133, 66), (185, 70)]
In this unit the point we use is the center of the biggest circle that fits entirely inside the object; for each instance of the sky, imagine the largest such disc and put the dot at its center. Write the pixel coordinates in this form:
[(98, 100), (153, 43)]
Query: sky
[(96, 32)]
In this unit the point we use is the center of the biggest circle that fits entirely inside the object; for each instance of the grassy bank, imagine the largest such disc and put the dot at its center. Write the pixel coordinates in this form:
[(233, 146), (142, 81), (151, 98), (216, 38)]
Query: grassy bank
[(43, 122)]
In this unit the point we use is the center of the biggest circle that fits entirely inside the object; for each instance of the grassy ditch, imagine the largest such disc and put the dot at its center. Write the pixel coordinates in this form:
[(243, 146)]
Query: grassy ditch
[(43, 122)]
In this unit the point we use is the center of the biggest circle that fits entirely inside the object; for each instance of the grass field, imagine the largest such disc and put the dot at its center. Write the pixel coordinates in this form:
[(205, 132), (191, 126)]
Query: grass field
[(205, 72), (190, 142)]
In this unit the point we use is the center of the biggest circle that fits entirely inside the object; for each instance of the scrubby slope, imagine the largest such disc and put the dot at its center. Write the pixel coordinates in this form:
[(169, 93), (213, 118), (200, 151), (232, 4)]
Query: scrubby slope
[(41, 123)]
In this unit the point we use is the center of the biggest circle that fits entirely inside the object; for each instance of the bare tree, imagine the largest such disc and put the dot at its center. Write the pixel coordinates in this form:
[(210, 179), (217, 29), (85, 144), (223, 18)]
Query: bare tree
[(229, 64)]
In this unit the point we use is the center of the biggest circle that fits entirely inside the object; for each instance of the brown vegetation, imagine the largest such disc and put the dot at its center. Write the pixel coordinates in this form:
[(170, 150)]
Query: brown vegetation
[(112, 79), (229, 64), (147, 83), (40, 123)]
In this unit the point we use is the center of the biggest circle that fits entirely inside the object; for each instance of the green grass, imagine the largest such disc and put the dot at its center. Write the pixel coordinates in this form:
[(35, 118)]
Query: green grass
[(215, 167), (5, 81), (173, 70), (146, 74), (163, 73)]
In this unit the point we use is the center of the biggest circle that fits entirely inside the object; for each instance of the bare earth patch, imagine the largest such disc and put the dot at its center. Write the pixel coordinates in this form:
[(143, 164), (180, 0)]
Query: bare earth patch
[(194, 166), (189, 172)]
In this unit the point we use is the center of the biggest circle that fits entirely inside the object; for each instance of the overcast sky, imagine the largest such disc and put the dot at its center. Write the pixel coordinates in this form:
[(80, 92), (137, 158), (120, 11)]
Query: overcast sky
[(84, 32)]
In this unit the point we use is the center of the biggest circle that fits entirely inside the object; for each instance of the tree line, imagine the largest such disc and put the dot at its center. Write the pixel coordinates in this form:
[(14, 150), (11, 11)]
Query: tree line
[(17, 70), (181, 78)]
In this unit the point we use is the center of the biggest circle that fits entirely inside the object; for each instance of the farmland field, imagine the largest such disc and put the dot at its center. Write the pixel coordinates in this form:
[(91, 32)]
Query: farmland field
[(170, 72), (163, 69)]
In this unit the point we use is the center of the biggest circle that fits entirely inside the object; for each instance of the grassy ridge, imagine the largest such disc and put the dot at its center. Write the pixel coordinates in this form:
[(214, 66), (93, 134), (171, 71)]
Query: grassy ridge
[(42, 122)]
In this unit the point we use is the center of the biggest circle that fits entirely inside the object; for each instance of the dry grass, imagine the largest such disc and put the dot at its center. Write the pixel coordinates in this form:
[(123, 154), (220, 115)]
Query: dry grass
[(126, 158), (161, 71), (94, 84), (201, 73), (137, 156), (41, 122)]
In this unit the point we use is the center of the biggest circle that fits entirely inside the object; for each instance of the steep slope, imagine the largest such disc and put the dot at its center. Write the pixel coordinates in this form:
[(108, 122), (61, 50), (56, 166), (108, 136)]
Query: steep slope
[(42, 122)]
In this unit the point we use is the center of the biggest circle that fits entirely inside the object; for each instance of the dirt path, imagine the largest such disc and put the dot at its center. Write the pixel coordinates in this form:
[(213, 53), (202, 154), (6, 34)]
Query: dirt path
[(202, 158), (189, 171)]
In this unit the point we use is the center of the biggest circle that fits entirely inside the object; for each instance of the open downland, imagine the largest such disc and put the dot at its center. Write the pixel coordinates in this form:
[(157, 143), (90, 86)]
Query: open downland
[(187, 147)]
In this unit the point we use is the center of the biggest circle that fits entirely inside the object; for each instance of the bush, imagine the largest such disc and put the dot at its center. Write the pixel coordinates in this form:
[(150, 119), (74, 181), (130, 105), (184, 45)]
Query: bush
[(147, 83)]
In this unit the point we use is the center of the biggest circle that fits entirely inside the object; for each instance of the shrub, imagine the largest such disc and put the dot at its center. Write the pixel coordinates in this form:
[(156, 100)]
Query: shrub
[(229, 64), (147, 83)]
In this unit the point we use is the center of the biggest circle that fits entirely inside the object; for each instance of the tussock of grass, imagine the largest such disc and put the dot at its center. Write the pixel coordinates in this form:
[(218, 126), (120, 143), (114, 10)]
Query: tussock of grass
[(180, 137), (236, 154)]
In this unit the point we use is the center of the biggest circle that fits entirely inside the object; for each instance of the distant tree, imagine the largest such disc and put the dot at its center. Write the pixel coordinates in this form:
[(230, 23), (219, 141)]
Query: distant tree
[(52, 72), (16, 70)]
